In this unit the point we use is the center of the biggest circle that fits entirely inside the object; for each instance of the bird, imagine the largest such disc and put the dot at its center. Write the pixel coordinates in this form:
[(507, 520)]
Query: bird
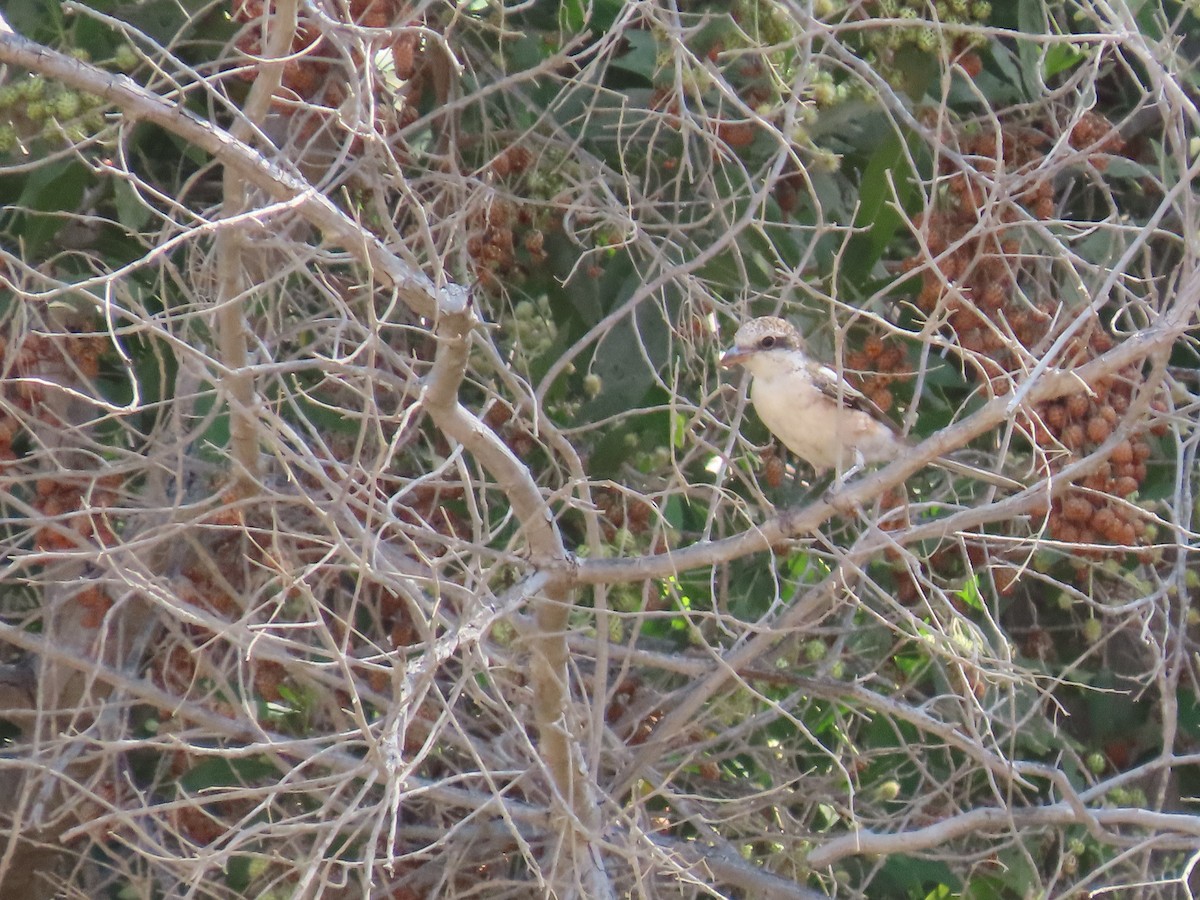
[(815, 412)]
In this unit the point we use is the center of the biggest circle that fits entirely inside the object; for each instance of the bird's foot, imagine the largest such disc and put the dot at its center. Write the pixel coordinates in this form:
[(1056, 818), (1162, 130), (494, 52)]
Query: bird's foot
[(833, 496)]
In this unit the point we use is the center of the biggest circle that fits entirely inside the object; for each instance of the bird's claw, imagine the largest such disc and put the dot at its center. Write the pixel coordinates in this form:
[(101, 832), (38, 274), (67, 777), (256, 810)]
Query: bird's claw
[(833, 496)]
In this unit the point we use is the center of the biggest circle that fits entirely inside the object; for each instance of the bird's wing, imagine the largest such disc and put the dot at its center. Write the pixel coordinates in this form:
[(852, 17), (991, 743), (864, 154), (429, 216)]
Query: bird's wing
[(842, 392)]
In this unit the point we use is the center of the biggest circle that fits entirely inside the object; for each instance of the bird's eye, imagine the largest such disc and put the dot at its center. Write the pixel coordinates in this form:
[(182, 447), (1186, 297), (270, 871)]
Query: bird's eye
[(768, 342)]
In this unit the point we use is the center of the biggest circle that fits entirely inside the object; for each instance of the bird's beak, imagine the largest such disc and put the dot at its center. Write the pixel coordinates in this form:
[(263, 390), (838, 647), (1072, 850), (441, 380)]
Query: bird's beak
[(734, 356)]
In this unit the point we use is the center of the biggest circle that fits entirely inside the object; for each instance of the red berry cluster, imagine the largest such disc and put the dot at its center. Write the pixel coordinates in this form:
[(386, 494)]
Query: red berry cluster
[(746, 76), (73, 506), (1096, 135), (505, 237), (316, 76), (971, 284), (626, 695), (878, 364), (971, 287), (74, 513), (1092, 511), (512, 430), (619, 510), (305, 73), (32, 363)]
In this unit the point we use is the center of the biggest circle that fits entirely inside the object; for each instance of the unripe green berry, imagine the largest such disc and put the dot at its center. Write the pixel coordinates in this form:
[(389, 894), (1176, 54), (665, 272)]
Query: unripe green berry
[(1092, 630), (33, 88), (888, 790), (502, 632), (815, 650), (126, 58), (1096, 763), (825, 161), (8, 138), (66, 105), (659, 459), (616, 629), (592, 385), (824, 93), (981, 10)]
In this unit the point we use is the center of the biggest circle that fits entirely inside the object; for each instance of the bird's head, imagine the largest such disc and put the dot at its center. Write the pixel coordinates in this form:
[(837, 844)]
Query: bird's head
[(761, 340)]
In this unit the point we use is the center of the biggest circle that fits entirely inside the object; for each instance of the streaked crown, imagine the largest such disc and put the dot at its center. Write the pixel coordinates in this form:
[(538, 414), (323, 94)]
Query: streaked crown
[(767, 333)]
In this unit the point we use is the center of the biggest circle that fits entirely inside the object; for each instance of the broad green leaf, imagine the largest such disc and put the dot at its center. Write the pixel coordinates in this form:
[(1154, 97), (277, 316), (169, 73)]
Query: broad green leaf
[(1060, 58)]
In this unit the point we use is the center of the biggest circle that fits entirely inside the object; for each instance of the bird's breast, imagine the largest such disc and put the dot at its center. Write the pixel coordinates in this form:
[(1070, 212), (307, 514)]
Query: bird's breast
[(816, 428)]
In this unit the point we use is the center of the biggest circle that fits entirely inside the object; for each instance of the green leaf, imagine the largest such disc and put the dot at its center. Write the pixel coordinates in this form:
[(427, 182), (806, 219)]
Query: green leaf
[(970, 592), (903, 875), (886, 180), (1189, 713), (218, 772), (1031, 19), (672, 511), (642, 56), (572, 16), (1060, 58), (37, 20), (165, 20), (1008, 65), (1121, 167), (628, 357), (917, 69), (215, 437), (131, 211), (985, 887), (52, 188), (237, 872), (678, 429)]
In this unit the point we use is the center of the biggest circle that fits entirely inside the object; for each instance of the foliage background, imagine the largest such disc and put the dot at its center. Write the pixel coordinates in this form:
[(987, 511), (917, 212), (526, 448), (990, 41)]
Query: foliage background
[(377, 521)]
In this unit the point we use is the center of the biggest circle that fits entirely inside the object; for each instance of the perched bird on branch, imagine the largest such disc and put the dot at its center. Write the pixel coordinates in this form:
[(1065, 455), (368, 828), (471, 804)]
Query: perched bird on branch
[(815, 412)]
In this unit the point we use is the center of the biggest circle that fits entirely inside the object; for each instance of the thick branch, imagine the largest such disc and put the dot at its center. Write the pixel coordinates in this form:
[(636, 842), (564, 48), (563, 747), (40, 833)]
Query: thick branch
[(869, 843), (548, 676), (231, 330)]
